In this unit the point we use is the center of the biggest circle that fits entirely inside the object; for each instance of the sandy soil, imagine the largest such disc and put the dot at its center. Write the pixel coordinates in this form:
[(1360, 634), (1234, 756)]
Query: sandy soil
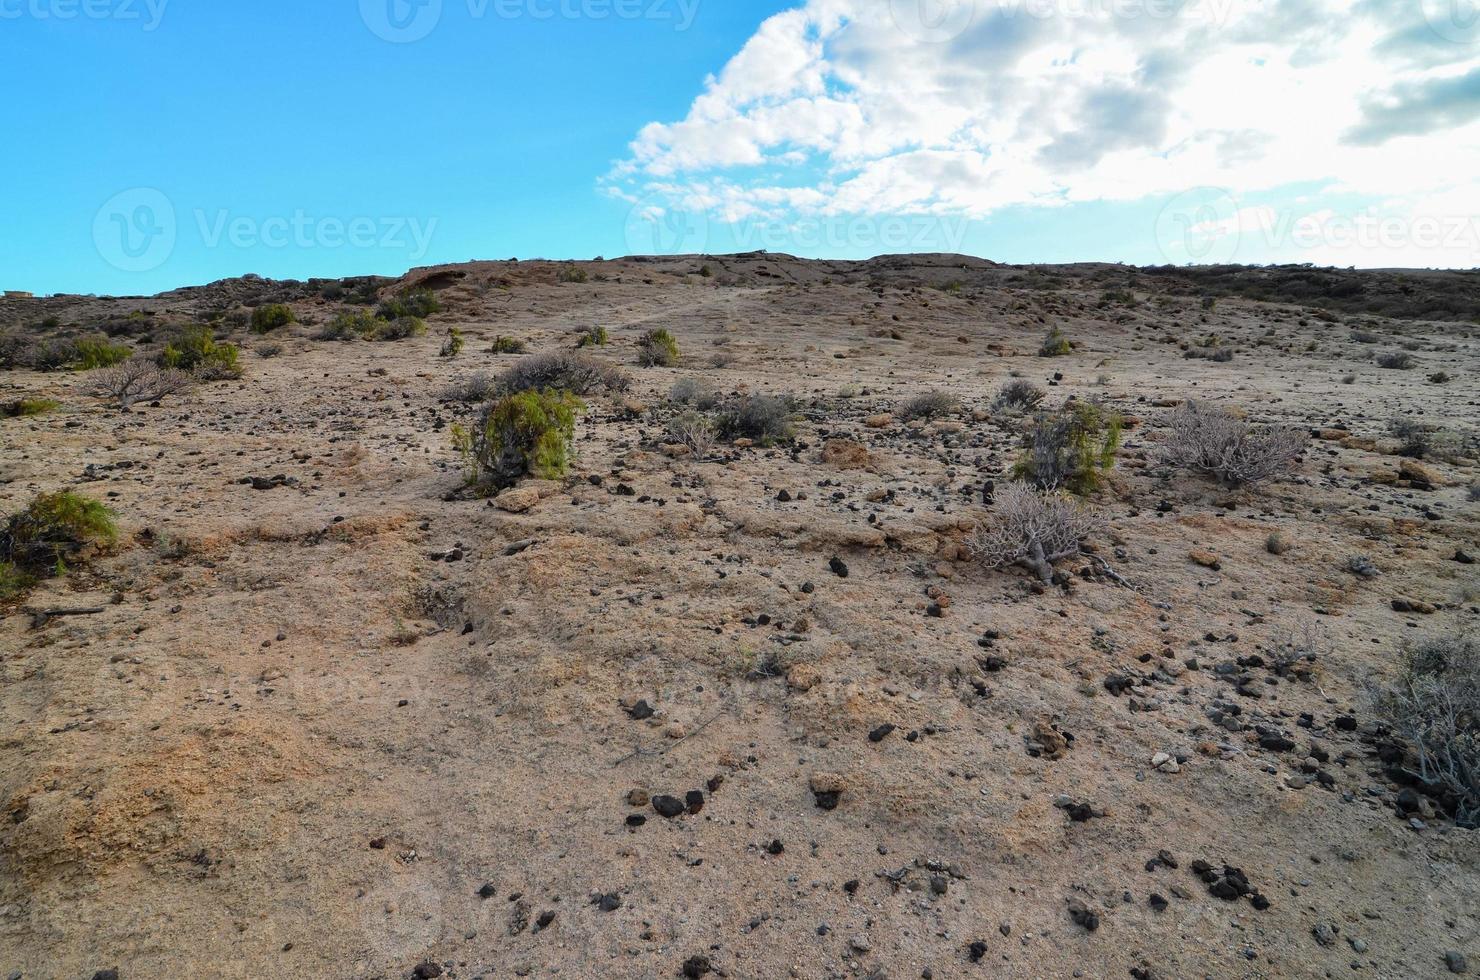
[(298, 741)]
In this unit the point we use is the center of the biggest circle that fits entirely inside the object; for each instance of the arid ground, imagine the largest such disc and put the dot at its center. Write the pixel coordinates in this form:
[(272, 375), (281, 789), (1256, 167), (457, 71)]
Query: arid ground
[(361, 723)]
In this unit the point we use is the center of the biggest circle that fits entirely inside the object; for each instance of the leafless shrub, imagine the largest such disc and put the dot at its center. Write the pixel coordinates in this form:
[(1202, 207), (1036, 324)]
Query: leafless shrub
[(1415, 438), (1018, 396), (137, 380), (1215, 441), (694, 392), (929, 405), (473, 391), (1396, 361), (1434, 706), (766, 419), (694, 430), (574, 371), (1033, 529)]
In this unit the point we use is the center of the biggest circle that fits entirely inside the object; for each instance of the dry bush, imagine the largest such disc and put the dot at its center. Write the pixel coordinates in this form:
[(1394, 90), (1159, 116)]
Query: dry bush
[(766, 419), (1018, 396), (1434, 706), (1032, 529), (929, 405), (694, 430), (572, 371), (1215, 441), (1396, 361), (479, 388), (137, 380), (695, 392)]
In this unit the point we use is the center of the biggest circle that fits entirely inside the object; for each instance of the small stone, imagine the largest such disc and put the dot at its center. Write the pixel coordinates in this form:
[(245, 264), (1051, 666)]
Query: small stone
[(425, 971), (1456, 962), (1325, 935), (669, 806)]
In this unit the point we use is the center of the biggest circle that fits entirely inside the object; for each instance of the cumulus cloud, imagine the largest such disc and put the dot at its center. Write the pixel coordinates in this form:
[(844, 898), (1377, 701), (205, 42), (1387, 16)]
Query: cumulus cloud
[(966, 107)]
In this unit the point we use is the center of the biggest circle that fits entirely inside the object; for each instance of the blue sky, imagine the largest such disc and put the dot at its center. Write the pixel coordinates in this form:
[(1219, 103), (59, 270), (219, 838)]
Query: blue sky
[(156, 143)]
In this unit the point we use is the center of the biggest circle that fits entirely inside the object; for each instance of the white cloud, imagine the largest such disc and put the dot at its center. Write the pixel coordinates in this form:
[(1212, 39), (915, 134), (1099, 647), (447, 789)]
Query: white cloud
[(867, 107)]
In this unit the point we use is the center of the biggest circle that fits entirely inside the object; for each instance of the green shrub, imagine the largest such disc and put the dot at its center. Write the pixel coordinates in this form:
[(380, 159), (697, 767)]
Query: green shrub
[(657, 348), (350, 325), (419, 303), (529, 432), (96, 352), (1018, 396), (453, 345), (507, 345), (195, 350), (270, 317), (1055, 344), (573, 273), (593, 337), (27, 407), (401, 328), (37, 542), (1070, 449)]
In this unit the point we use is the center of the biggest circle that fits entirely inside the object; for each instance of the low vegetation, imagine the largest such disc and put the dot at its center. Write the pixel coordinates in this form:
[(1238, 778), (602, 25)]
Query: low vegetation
[(1018, 396), (929, 405), (195, 349), (1215, 441), (1434, 707), (27, 407), (1055, 344), (526, 433), (1032, 529), (137, 380), (270, 317), (763, 419), (453, 344), (1070, 449), (38, 542), (573, 371), (593, 337), (418, 303), (657, 348)]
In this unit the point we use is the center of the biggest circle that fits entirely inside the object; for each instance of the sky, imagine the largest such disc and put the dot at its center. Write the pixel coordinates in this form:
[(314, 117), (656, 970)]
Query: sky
[(158, 143)]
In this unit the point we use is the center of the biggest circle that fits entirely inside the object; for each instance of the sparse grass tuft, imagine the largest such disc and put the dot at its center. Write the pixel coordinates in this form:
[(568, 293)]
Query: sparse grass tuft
[(28, 407), (1018, 396), (593, 337)]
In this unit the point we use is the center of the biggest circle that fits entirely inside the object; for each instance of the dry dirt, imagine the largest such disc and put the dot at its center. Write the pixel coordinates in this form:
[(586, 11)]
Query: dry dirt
[(297, 741)]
